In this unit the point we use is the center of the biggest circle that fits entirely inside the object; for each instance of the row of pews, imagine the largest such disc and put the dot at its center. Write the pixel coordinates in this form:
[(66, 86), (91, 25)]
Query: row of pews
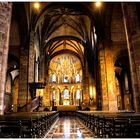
[(26, 124), (111, 124)]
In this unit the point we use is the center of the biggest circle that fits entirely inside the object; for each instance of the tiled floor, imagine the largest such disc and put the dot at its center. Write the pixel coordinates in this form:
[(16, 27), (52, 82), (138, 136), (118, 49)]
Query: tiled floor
[(69, 127)]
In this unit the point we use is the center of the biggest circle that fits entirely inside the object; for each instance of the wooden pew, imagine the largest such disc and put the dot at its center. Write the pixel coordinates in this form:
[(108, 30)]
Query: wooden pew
[(134, 126), (111, 124), (31, 125)]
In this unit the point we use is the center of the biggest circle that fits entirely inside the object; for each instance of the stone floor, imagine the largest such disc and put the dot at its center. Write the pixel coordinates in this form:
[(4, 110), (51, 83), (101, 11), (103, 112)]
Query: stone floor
[(69, 127)]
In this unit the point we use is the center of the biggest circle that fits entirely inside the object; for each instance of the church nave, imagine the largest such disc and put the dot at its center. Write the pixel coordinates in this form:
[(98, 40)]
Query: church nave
[(69, 127)]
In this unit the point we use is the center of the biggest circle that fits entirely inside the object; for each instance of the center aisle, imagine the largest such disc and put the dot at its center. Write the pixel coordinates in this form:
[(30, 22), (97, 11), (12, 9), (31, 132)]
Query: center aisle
[(69, 127)]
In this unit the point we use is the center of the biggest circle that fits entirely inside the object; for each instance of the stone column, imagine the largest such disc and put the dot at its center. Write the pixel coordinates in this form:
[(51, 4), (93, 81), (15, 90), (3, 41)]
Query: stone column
[(107, 74), (31, 73), (23, 77), (36, 71), (60, 97), (92, 94), (27, 59), (41, 69), (85, 85), (103, 80), (5, 20), (110, 74)]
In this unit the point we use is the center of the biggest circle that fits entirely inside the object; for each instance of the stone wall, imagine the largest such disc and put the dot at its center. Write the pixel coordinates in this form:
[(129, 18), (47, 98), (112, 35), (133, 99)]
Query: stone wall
[(133, 34), (5, 19), (109, 52), (117, 26)]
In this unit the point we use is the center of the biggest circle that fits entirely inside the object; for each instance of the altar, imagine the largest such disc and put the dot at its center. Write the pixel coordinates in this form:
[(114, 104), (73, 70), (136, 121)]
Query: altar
[(66, 107), (66, 110)]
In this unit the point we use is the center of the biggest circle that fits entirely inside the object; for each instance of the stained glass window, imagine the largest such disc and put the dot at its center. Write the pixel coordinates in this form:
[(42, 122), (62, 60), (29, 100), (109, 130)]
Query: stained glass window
[(53, 94), (66, 80), (77, 78), (53, 78), (78, 94), (66, 94)]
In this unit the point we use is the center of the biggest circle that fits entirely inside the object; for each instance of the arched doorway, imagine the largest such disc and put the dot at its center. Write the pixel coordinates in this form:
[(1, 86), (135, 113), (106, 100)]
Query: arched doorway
[(123, 83)]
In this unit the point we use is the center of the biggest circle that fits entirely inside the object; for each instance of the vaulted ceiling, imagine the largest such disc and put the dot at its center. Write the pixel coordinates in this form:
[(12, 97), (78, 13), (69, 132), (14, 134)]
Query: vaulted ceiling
[(59, 19), (61, 27), (64, 27)]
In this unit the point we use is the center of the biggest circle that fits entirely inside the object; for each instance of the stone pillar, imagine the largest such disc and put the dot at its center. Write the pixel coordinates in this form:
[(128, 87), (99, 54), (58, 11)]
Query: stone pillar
[(107, 71), (5, 20), (103, 80), (36, 71), (31, 73), (41, 69), (27, 59), (132, 33), (60, 97), (23, 77), (92, 91), (85, 85), (110, 73)]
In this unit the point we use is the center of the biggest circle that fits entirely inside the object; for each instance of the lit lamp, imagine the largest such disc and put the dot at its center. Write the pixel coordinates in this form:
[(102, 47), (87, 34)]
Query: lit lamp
[(36, 5), (78, 95), (98, 4), (91, 94), (39, 92), (36, 89), (72, 88)]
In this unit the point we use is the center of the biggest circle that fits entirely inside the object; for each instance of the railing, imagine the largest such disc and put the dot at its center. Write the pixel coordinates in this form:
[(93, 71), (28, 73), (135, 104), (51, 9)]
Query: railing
[(34, 104), (69, 82)]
